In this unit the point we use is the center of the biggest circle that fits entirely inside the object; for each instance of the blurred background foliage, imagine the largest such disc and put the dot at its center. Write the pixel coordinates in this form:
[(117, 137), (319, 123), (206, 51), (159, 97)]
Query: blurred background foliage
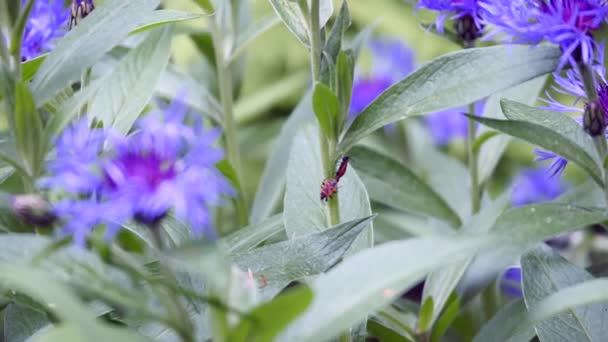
[(276, 75)]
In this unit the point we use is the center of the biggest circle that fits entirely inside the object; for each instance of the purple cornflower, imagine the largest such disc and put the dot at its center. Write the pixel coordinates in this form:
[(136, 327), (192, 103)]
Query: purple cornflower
[(164, 165), (567, 23), (570, 83), (451, 124), (468, 16), (44, 26), (510, 282), (533, 186)]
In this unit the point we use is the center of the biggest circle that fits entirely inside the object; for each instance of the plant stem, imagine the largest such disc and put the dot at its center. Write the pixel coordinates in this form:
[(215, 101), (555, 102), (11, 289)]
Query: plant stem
[(588, 78), (472, 158), (224, 77), (327, 147)]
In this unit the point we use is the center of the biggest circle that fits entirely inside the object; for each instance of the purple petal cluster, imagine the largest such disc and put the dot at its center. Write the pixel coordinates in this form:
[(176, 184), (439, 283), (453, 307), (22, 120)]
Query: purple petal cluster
[(567, 23), (164, 165), (455, 9), (46, 23), (533, 186), (570, 83)]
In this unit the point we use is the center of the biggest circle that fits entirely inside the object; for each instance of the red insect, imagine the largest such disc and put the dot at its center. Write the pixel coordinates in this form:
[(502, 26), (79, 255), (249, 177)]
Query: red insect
[(330, 186)]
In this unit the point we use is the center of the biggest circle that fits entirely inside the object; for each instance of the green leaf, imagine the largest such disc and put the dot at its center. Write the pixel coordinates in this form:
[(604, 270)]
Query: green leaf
[(291, 14), (453, 80), (21, 322), (206, 5), (86, 43), (30, 67), (374, 277), (426, 315), (292, 17), (19, 27), (345, 67), (303, 210), (552, 140), (446, 319), (163, 17), (249, 237), (248, 35), (391, 183), (384, 333), (507, 323), (272, 182), (546, 272), (284, 262), (440, 284), (138, 72), (29, 136), (200, 97), (74, 333), (327, 109), (492, 150), (267, 320)]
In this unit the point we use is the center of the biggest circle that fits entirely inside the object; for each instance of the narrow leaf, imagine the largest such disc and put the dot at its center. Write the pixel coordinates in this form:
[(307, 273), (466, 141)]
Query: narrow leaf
[(131, 85), (84, 45), (283, 262), (327, 109), (549, 139), (546, 272), (453, 80), (392, 183)]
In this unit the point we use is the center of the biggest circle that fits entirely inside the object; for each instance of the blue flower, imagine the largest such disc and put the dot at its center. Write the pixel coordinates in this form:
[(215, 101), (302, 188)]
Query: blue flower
[(164, 165), (391, 61), (451, 124), (510, 282), (567, 23), (44, 26), (456, 9), (533, 186)]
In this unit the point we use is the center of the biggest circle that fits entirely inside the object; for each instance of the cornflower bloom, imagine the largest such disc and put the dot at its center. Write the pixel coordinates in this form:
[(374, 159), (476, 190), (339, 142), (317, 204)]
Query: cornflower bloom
[(79, 10), (44, 26), (164, 165), (567, 23), (392, 60), (594, 112), (467, 15)]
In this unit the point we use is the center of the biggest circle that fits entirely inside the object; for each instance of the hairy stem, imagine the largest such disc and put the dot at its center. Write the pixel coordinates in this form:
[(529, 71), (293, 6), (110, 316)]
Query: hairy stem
[(472, 158), (224, 77)]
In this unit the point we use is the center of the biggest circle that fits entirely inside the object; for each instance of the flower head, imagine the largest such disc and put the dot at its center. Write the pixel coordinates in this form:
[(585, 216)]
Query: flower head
[(79, 10), (567, 23), (45, 24), (468, 15), (533, 186), (164, 165), (391, 61)]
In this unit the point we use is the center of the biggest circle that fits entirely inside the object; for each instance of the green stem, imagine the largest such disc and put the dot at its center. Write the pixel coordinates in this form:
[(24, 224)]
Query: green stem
[(472, 157), (224, 77), (588, 78), (327, 147)]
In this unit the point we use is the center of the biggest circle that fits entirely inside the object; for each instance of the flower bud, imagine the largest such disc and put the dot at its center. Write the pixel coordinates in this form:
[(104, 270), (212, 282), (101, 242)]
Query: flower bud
[(467, 30), (34, 210), (594, 122), (80, 9)]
